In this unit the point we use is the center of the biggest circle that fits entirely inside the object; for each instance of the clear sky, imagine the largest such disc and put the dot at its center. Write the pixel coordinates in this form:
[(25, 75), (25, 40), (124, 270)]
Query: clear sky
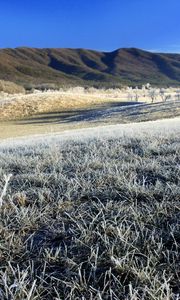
[(93, 24)]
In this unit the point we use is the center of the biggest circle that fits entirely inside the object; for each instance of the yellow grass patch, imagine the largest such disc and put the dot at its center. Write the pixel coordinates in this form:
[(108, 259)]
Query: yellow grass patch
[(32, 104)]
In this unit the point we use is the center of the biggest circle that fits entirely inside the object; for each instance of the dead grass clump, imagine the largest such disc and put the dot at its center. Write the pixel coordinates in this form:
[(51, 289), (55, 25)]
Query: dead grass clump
[(11, 87)]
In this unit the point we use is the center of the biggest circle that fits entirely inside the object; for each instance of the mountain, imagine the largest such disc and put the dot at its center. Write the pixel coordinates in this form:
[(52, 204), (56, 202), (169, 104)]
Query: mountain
[(131, 66)]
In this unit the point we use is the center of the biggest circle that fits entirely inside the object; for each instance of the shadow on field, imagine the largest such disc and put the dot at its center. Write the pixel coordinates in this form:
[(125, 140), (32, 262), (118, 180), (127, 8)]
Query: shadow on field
[(79, 115), (132, 111)]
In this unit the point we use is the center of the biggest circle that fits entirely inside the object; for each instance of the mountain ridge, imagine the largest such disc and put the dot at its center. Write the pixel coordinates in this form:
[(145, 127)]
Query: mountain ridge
[(123, 66)]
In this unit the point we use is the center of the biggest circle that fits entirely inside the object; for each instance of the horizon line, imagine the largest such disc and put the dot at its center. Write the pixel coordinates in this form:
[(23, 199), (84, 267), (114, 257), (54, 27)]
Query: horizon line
[(98, 50)]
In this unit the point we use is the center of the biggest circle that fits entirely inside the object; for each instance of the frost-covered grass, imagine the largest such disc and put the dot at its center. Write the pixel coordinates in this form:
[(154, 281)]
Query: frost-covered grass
[(91, 215), (111, 113), (22, 105)]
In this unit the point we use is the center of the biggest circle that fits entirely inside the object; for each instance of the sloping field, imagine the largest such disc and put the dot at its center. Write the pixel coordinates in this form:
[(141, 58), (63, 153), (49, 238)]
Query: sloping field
[(91, 214), (20, 106), (48, 112)]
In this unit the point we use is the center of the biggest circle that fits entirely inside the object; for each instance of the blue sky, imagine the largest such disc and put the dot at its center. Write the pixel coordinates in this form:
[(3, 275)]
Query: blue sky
[(93, 24)]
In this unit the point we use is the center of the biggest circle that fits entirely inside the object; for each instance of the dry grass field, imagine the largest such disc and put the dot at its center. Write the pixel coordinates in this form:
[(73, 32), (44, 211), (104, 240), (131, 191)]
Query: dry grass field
[(20, 106), (53, 111), (91, 214), (15, 111)]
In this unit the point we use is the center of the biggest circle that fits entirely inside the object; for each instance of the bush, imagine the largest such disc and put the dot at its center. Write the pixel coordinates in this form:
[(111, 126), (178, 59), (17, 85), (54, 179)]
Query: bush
[(11, 87)]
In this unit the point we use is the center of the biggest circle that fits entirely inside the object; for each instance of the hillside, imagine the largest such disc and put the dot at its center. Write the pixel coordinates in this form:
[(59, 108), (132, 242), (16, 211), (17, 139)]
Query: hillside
[(31, 66)]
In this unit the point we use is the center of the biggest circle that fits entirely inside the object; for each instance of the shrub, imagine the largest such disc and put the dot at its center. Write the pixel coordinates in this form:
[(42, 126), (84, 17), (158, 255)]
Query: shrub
[(11, 87)]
